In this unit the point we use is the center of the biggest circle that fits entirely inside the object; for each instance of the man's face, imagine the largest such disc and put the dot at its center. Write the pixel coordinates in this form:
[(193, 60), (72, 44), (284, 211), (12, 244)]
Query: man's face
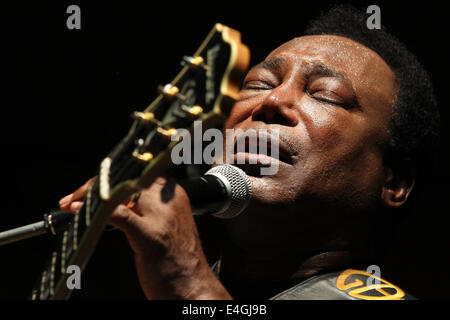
[(331, 100)]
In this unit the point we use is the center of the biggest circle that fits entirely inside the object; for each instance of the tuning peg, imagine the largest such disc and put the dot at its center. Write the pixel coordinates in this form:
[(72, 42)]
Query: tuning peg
[(167, 133), (144, 116), (195, 110), (171, 91), (194, 62), (144, 157), (138, 153)]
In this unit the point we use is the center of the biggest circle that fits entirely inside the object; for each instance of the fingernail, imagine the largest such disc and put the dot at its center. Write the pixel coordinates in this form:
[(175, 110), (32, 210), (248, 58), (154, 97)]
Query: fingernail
[(66, 200), (75, 206)]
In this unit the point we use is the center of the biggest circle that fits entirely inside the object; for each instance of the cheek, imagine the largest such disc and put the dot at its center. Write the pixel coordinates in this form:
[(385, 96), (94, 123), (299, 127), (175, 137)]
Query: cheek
[(321, 124), (339, 140), (334, 131)]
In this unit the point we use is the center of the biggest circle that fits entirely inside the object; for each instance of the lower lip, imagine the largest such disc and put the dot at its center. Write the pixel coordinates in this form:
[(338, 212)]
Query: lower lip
[(253, 158)]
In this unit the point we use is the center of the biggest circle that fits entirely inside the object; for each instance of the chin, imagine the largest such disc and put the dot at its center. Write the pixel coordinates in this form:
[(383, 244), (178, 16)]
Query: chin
[(272, 190)]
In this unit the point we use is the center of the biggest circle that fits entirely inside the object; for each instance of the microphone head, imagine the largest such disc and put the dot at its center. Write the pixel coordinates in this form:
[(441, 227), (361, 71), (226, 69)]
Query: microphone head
[(238, 186)]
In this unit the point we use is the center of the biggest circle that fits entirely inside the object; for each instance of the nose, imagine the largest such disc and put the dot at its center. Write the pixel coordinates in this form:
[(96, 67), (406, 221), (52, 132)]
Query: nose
[(277, 108)]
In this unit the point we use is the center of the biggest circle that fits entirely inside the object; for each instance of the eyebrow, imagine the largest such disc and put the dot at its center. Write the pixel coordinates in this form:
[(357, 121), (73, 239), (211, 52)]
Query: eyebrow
[(321, 69), (274, 64), (316, 68)]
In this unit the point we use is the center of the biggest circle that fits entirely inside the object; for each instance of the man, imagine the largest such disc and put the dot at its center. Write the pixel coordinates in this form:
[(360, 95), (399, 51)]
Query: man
[(355, 113)]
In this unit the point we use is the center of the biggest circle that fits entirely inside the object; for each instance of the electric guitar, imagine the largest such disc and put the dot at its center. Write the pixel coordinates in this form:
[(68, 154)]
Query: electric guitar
[(205, 90)]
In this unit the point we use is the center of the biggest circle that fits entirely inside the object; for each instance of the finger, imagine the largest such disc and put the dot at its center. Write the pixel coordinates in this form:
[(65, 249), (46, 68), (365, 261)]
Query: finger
[(125, 219), (75, 206), (81, 191), (65, 202)]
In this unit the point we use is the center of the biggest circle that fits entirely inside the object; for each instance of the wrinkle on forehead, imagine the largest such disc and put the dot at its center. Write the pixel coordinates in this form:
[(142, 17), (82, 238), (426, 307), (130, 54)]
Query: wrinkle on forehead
[(367, 71)]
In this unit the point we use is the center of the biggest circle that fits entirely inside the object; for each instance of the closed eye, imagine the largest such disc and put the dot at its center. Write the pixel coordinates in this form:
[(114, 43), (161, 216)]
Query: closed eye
[(329, 97), (256, 85)]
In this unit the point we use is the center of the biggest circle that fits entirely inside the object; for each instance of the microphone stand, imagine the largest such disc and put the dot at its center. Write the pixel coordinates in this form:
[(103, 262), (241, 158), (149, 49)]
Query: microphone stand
[(52, 223)]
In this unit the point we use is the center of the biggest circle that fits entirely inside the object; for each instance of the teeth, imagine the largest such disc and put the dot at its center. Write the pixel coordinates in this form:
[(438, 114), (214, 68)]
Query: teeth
[(263, 147)]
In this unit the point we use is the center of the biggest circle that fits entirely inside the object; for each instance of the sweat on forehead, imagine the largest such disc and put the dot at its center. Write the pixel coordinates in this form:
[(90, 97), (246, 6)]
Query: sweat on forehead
[(343, 54), (364, 67)]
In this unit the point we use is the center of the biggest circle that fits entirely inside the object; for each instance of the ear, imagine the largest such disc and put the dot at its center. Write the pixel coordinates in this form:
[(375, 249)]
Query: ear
[(399, 180)]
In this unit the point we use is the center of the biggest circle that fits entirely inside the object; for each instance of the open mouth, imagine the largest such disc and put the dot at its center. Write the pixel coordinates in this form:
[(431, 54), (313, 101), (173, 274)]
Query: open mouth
[(261, 150)]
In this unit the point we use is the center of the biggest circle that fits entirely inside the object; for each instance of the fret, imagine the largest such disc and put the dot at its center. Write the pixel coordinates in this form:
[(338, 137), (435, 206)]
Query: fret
[(44, 290), (53, 272), (69, 244), (92, 202), (79, 227), (76, 222), (64, 252), (88, 206), (67, 248)]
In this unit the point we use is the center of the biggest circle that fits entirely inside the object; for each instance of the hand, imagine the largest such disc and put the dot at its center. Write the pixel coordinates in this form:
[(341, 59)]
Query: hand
[(161, 231), (73, 202)]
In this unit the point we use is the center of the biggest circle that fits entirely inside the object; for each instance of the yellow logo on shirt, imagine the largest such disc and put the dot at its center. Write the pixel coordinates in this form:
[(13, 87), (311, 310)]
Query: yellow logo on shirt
[(355, 281)]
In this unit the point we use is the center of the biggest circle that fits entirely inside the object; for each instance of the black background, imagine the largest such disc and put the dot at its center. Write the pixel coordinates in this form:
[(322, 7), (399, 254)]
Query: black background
[(67, 96)]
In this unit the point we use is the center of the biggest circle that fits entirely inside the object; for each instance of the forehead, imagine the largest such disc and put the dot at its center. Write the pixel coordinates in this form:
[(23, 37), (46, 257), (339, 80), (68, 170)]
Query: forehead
[(368, 72)]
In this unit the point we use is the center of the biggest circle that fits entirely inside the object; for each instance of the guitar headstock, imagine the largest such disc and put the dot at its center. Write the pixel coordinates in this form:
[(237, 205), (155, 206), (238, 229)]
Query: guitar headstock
[(209, 83), (204, 90)]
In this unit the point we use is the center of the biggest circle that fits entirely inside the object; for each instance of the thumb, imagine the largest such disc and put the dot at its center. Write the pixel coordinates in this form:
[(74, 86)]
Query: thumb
[(134, 227), (125, 219)]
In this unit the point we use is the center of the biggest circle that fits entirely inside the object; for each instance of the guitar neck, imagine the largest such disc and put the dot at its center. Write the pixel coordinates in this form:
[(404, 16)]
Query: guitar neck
[(204, 90), (74, 248), (79, 239)]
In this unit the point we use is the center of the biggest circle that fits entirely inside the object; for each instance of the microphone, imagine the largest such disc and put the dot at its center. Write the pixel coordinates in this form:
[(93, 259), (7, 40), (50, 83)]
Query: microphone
[(224, 192)]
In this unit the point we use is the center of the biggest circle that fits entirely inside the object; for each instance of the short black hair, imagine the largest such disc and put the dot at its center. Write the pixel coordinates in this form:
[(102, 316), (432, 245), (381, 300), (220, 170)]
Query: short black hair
[(415, 121)]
